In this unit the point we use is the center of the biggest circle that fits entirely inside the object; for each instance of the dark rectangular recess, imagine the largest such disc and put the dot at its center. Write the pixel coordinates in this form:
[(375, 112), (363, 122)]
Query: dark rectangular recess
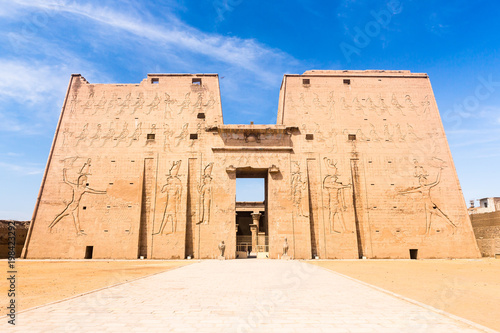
[(352, 137), (89, 251), (306, 81), (309, 136), (193, 136), (151, 136), (347, 81), (201, 115), (196, 81), (155, 80), (413, 254)]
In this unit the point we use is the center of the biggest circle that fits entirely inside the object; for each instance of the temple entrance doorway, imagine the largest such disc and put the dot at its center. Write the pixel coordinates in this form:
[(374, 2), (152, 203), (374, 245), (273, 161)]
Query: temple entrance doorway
[(252, 232)]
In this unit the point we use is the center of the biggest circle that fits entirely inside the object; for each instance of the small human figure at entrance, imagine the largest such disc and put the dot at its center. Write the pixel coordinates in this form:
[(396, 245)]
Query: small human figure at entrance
[(222, 248), (285, 248), (79, 189)]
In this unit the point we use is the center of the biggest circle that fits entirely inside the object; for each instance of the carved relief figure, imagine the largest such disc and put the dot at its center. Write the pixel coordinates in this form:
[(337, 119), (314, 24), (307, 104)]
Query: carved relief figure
[(387, 134), (299, 188), (100, 105), (168, 133), (73, 104), (211, 102), (185, 103), (330, 103), (409, 104), (285, 247), (83, 135), (373, 134), (396, 104), (153, 106), (426, 104), (96, 136), (430, 207), (168, 105), (198, 104), (90, 102), (123, 135), (411, 132), (336, 198), (79, 189), (109, 135), (111, 102), (182, 135), (399, 133), (136, 135), (205, 191), (172, 200), (138, 103), (66, 134), (303, 103), (383, 107), (125, 104)]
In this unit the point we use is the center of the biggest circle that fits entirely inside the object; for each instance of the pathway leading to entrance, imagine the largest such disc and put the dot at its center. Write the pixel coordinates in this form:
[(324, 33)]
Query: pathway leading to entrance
[(238, 296)]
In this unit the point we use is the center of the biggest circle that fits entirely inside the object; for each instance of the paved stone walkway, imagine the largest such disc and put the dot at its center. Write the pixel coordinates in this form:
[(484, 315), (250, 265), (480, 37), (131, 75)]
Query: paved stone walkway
[(238, 296)]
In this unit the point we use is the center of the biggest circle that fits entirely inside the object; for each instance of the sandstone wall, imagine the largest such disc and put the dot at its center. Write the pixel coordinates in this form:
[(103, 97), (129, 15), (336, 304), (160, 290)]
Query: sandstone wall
[(487, 230)]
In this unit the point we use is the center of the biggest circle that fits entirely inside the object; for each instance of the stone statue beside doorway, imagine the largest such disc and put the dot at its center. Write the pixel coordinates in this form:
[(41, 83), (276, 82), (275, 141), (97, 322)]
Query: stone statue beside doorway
[(222, 249), (285, 250)]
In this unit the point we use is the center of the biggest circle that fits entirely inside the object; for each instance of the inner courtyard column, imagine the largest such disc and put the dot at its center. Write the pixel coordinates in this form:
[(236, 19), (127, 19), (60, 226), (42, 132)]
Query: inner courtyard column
[(254, 227)]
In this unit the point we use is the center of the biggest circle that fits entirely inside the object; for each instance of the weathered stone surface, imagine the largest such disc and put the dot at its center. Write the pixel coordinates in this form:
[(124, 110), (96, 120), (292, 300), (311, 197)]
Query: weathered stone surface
[(20, 235), (357, 165)]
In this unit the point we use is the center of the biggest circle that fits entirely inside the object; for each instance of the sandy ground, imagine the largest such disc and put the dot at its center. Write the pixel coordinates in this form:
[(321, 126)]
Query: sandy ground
[(42, 282), (466, 288)]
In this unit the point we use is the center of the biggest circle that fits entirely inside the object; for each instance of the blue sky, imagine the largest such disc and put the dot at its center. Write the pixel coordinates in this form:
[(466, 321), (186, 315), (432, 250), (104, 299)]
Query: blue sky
[(250, 44)]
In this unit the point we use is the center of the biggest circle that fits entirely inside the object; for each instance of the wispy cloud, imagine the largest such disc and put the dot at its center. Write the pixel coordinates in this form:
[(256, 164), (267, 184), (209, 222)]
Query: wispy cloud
[(247, 54), (26, 170)]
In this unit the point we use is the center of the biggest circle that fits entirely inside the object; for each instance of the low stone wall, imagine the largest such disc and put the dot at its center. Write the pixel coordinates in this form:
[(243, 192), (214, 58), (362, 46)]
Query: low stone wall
[(487, 230), (21, 232)]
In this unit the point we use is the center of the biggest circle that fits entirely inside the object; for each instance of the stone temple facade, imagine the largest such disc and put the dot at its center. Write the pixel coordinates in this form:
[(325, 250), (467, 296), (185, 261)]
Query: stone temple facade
[(357, 165)]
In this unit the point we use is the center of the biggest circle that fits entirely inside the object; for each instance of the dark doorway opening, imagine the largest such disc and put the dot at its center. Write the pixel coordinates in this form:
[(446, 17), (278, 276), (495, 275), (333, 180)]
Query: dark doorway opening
[(89, 251), (413, 253), (251, 213)]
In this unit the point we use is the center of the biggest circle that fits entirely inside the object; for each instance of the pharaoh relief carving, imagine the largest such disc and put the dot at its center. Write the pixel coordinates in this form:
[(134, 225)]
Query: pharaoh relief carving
[(431, 209), (73, 104), (139, 102), (299, 191), (205, 198), (336, 198), (66, 134), (171, 200), (395, 103), (79, 188)]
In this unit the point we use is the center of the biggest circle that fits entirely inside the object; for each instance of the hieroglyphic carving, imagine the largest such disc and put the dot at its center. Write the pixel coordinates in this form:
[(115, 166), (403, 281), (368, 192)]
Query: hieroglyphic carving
[(125, 104), (411, 132), (109, 134), (154, 105), (168, 105), (168, 133), (431, 209), (387, 134), (211, 102), (171, 200), (99, 107), (382, 106), (83, 135), (123, 135), (96, 136), (66, 134), (317, 102), (198, 104), (345, 106), (182, 135), (205, 191), (90, 102), (330, 104), (185, 103), (111, 103), (396, 105), (299, 188), (399, 134), (136, 135), (79, 189), (409, 104), (426, 104), (336, 199), (73, 103), (139, 102), (373, 134)]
